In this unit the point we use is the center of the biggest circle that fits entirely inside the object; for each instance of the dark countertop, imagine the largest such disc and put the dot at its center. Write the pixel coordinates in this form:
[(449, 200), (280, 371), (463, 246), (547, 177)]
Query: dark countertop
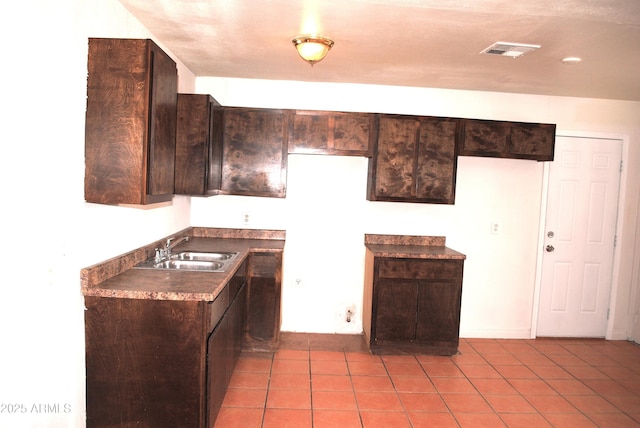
[(415, 247), (117, 277)]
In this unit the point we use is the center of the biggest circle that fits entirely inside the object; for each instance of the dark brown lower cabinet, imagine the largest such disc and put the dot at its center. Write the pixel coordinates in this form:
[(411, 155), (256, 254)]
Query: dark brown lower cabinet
[(415, 306), (223, 351), (161, 363)]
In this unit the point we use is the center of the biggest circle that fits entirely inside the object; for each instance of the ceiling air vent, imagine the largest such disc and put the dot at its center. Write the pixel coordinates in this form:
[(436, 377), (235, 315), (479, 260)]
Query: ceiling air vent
[(512, 50)]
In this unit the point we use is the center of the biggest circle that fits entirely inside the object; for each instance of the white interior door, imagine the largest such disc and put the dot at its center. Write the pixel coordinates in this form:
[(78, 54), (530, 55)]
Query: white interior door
[(577, 265)]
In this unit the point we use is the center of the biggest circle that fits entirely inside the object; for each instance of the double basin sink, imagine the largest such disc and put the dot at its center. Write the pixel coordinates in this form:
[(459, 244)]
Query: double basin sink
[(191, 260)]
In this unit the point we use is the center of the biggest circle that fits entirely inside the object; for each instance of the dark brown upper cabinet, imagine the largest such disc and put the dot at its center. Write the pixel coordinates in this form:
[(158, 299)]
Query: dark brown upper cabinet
[(198, 145), (414, 160), (130, 122), (254, 156), (330, 133), (500, 139)]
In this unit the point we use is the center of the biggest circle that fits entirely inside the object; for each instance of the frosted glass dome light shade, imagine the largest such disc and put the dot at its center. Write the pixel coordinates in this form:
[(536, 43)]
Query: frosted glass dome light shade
[(312, 48)]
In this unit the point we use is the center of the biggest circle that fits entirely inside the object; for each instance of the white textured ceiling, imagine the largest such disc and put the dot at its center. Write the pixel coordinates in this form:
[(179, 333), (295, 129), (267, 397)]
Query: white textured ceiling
[(424, 43)]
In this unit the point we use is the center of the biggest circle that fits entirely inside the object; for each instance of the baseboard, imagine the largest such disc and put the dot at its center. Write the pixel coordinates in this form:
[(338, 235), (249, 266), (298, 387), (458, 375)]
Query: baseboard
[(496, 334)]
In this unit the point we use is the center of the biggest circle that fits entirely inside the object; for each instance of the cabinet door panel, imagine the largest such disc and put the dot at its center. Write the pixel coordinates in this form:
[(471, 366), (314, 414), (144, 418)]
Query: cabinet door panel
[(309, 133), (254, 152), (420, 269), (485, 138), (436, 167), (396, 152), (515, 140), (533, 141), (327, 132), (438, 311), (191, 144), (396, 310), (217, 357), (162, 149), (198, 145), (133, 350), (351, 133), (115, 149)]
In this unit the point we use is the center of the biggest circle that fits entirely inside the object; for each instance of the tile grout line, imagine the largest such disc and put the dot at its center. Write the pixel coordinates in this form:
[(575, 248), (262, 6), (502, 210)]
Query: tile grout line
[(266, 397), (353, 390), (310, 386)]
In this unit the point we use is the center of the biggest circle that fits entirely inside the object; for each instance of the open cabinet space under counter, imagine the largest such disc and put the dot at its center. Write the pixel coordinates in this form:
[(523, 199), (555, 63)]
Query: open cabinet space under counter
[(412, 295)]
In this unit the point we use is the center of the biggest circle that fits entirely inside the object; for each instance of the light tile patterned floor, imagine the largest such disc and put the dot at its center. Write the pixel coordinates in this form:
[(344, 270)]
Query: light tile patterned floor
[(332, 381)]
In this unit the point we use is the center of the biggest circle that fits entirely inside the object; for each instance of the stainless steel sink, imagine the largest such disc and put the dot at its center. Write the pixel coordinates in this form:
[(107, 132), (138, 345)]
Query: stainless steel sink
[(191, 260), (188, 265), (193, 255)]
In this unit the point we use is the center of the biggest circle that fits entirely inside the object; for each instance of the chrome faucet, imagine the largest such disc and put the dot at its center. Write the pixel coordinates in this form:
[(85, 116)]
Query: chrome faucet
[(165, 253)]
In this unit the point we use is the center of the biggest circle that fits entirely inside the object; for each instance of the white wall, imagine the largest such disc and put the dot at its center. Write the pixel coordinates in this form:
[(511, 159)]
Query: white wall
[(48, 232), (326, 212)]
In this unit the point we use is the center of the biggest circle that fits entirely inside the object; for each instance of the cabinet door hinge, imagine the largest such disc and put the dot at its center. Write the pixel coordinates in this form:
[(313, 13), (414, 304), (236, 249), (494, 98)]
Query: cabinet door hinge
[(621, 166), (608, 312), (615, 241)]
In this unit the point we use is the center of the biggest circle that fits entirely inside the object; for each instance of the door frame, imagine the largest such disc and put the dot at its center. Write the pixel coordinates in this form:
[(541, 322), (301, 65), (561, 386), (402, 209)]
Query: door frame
[(634, 300), (615, 278)]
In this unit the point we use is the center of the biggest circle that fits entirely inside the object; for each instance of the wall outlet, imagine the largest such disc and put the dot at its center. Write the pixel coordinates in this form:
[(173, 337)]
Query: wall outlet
[(496, 228), (349, 313), (246, 218)]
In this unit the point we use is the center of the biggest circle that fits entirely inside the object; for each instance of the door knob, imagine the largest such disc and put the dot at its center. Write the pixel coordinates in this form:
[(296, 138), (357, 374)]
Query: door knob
[(550, 249)]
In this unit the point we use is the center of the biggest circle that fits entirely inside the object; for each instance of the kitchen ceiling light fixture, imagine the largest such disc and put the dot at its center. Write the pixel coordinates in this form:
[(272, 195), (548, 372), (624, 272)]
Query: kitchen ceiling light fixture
[(312, 48), (571, 60)]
